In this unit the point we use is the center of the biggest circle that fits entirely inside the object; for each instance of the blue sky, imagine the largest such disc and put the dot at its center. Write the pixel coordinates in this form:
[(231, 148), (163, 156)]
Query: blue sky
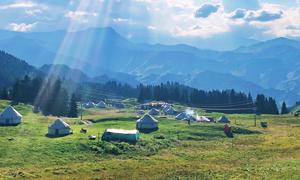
[(158, 19)]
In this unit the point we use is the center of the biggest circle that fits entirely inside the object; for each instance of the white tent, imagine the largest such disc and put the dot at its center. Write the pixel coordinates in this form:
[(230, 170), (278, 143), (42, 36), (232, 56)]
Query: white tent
[(10, 116), (223, 119), (202, 119), (166, 107), (154, 112), (147, 123), (170, 111), (101, 104), (89, 104), (183, 116), (141, 112), (59, 128)]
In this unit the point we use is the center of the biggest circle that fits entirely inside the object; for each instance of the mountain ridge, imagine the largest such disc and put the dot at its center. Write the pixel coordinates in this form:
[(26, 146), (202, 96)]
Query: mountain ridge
[(101, 51)]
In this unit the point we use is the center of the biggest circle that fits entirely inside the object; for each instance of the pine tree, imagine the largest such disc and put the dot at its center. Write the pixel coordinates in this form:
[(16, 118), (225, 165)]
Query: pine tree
[(4, 94), (284, 109), (15, 94), (73, 112)]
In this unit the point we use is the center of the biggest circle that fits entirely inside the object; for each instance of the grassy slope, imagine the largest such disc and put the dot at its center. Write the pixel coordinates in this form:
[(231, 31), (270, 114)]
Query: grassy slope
[(202, 151)]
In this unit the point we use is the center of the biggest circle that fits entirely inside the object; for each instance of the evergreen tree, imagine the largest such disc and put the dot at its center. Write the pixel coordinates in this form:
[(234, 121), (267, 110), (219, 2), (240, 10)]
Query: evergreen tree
[(273, 106), (15, 94), (4, 94), (284, 109), (73, 112)]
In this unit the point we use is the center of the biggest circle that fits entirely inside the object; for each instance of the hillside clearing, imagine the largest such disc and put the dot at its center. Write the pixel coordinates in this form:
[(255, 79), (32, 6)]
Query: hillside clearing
[(175, 151)]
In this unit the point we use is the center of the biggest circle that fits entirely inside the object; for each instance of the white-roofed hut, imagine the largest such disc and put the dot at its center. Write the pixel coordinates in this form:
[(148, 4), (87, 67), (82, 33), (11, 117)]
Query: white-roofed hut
[(223, 119), (59, 128), (170, 111), (141, 112), (10, 117), (147, 124), (183, 116), (153, 112), (202, 119), (89, 104), (101, 104), (121, 135)]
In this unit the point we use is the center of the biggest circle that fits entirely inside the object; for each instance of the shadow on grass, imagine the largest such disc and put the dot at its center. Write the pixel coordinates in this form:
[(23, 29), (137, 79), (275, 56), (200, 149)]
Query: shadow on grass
[(147, 131), (129, 119), (239, 130), (9, 125), (57, 136)]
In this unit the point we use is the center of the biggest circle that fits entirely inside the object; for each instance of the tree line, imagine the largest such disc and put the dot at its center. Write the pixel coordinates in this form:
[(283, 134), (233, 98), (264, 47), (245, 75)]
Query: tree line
[(227, 101), (50, 97), (45, 94)]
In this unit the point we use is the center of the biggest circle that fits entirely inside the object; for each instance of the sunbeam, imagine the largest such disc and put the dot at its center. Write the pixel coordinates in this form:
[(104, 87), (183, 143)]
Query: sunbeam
[(70, 39)]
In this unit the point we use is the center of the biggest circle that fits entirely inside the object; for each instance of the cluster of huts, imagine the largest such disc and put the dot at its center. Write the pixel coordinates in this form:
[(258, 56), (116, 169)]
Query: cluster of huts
[(102, 105), (147, 123), (168, 109), (91, 104)]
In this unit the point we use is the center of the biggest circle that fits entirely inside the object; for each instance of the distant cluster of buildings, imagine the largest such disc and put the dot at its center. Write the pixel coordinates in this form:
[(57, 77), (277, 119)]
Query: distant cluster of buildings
[(102, 105), (147, 123)]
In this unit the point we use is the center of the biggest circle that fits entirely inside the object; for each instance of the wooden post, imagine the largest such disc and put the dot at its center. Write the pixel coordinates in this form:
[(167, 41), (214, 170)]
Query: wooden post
[(254, 111), (81, 111)]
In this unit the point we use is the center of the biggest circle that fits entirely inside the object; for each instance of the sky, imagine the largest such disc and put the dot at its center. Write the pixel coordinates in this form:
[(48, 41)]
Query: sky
[(158, 20)]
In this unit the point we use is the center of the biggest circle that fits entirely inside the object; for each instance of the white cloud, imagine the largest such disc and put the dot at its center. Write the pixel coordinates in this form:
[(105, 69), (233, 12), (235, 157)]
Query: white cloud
[(120, 20), (18, 5), (152, 28), (263, 15), (33, 12), (206, 10), (22, 27), (174, 17), (287, 25), (80, 16), (238, 14)]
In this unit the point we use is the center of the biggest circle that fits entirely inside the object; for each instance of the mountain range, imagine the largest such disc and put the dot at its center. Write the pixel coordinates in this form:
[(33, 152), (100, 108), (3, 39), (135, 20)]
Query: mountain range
[(100, 54)]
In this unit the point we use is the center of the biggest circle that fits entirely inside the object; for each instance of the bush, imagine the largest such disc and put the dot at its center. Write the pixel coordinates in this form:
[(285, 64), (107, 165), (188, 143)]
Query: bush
[(142, 147), (159, 136)]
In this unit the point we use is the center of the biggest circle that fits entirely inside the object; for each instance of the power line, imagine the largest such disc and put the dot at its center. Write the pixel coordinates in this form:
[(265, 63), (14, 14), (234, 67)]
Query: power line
[(238, 102), (230, 105), (231, 109)]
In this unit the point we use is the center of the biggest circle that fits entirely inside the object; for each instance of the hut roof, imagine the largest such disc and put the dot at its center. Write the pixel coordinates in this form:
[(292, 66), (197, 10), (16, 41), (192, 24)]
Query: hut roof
[(59, 124)]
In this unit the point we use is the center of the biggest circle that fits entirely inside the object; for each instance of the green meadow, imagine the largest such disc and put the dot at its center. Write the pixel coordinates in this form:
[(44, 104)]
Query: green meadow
[(175, 151)]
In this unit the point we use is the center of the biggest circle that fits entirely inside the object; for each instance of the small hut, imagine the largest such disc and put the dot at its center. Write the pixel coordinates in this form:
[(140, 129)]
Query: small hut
[(59, 128), (223, 119), (141, 112), (147, 123), (183, 116), (154, 112), (101, 104), (202, 119), (10, 117), (121, 135), (170, 111), (89, 104)]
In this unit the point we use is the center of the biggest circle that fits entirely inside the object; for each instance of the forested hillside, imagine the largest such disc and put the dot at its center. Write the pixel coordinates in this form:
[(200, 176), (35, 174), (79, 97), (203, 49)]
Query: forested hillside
[(12, 68)]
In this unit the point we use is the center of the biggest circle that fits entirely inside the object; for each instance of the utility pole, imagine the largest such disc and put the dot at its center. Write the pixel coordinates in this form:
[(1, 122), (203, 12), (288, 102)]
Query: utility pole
[(254, 111), (81, 111)]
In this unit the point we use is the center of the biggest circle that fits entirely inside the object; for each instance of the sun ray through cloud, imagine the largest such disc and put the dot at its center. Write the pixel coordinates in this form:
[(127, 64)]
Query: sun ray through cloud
[(70, 38)]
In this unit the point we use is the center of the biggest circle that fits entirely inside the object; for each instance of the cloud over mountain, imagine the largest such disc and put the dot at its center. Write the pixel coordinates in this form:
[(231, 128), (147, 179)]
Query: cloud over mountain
[(206, 10), (142, 19), (264, 16)]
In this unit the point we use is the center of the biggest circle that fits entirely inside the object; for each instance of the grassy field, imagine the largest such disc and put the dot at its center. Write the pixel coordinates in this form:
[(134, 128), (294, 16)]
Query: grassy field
[(175, 151)]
